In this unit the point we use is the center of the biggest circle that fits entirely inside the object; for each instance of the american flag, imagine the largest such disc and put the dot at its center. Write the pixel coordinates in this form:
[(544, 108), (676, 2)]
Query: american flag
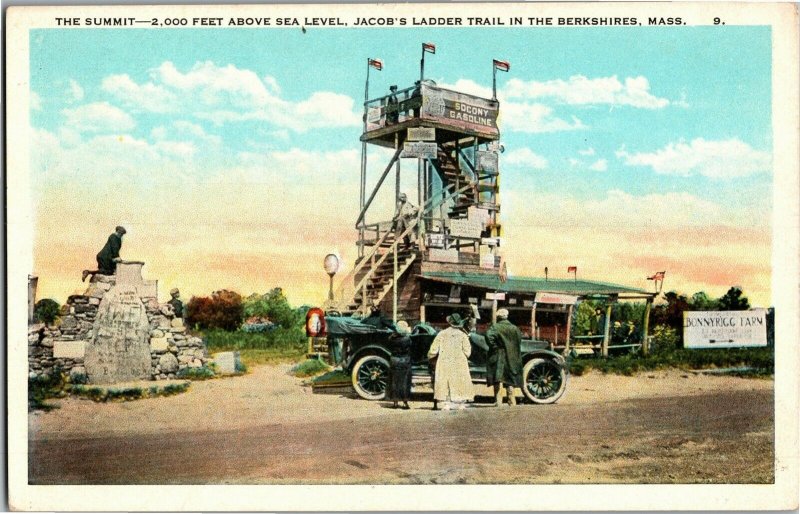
[(572, 269), (376, 63), (502, 65), (429, 47), (657, 276)]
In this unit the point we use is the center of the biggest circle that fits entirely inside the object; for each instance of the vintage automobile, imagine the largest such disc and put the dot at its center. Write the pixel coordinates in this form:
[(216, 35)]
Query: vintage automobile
[(362, 349)]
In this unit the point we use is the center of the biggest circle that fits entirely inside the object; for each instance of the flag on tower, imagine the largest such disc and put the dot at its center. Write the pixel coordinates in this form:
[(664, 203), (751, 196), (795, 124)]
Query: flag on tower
[(429, 47), (376, 63), (502, 65)]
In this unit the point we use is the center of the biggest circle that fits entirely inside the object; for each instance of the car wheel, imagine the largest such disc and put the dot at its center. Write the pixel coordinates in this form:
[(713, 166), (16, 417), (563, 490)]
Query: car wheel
[(544, 380), (370, 376)]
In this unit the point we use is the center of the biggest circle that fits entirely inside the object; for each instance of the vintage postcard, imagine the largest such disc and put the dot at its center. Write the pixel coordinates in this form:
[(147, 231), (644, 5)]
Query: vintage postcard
[(403, 257)]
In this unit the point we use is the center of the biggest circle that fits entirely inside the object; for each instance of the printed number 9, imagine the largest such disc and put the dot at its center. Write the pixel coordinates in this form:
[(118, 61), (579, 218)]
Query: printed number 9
[(717, 21)]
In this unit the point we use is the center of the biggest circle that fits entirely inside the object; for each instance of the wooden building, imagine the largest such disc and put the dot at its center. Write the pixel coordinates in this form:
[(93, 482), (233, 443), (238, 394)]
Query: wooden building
[(443, 252)]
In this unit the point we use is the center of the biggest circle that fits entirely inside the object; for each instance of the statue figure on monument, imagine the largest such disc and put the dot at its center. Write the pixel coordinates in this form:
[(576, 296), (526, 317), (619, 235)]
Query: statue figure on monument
[(108, 257), (176, 303)]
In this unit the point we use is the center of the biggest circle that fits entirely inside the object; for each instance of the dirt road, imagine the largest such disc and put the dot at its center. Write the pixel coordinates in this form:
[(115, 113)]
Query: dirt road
[(266, 428)]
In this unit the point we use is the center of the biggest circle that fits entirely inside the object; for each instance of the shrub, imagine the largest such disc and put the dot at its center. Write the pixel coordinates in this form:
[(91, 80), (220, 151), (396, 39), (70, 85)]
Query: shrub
[(44, 387), (46, 310), (201, 373), (222, 310), (665, 339), (274, 306), (79, 378), (309, 368)]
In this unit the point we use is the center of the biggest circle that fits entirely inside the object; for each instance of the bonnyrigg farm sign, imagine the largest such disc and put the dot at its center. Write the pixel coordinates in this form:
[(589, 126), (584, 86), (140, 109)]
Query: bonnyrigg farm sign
[(725, 329)]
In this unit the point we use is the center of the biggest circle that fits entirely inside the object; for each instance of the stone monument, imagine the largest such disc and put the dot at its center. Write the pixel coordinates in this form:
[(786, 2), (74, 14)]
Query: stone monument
[(119, 350)]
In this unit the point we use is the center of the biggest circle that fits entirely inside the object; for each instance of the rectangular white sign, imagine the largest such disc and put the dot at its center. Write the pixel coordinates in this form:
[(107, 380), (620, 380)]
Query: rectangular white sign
[(438, 255), (466, 228), (419, 150), (495, 296), (422, 134), (560, 299), (724, 329)]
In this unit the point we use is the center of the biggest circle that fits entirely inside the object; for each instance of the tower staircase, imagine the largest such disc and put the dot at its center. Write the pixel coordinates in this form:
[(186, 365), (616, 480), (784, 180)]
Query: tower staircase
[(373, 277)]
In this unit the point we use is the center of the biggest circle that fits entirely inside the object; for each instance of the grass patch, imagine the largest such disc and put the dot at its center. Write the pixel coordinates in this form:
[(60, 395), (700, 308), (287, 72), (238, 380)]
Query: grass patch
[(760, 361), (126, 393), (171, 389), (309, 368), (201, 373), (277, 346), (335, 376)]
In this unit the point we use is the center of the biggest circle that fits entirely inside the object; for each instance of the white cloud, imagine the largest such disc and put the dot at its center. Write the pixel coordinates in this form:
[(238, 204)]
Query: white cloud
[(519, 116), (581, 90), (148, 97), (98, 117), (617, 209), (469, 87), (224, 94), (599, 165), (74, 92), (588, 152), (182, 129), (297, 161), (526, 158), (535, 118), (717, 159)]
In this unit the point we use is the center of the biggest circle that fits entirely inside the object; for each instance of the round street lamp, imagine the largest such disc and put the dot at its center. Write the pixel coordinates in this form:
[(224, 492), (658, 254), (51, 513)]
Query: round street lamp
[(331, 265)]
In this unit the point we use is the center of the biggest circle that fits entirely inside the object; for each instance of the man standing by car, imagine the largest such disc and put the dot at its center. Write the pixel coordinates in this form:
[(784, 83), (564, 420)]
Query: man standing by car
[(504, 363)]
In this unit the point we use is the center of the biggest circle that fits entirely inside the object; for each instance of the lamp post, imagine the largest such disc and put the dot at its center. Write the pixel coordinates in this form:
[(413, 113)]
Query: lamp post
[(331, 265)]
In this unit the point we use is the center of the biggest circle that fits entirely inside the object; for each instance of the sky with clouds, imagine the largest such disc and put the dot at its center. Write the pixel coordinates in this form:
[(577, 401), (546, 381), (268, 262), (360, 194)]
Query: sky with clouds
[(232, 156)]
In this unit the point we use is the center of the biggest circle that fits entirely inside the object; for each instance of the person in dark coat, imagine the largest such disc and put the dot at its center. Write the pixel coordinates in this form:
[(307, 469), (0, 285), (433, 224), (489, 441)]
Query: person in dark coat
[(392, 107), (176, 303), (504, 364), (108, 257), (399, 386)]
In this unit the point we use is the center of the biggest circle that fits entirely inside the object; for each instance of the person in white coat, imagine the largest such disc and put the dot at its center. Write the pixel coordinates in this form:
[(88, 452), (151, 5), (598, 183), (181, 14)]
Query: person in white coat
[(452, 381)]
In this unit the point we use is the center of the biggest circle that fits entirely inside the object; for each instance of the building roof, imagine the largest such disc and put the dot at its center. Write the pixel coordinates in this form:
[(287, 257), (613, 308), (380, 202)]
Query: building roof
[(533, 284)]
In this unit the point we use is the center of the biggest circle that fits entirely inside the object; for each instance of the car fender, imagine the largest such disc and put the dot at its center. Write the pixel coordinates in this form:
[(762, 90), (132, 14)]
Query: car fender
[(546, 354), (370, 349)]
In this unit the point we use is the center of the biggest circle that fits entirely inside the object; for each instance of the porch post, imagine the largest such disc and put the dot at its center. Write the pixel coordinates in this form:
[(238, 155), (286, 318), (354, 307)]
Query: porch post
[(646, 327), (569, 327), (606, 331)]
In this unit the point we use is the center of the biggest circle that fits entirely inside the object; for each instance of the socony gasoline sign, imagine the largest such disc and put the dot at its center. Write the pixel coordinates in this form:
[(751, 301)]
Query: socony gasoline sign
[(725, 329)]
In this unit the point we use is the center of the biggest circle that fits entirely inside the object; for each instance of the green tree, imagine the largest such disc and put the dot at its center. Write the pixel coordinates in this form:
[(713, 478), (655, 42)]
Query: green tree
[(46, 310), (671, 312), (702, 302), (734, 300), (583, 318), (274, 306)]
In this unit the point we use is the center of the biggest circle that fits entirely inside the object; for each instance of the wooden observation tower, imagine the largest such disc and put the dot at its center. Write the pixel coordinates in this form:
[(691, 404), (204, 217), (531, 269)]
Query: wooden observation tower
[(450, 140)]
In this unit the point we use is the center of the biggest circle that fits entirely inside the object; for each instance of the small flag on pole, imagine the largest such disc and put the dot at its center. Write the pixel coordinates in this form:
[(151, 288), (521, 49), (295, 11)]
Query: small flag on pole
[(429, 47), (657, 276), (502, 65), (572, 269), (376, 63)]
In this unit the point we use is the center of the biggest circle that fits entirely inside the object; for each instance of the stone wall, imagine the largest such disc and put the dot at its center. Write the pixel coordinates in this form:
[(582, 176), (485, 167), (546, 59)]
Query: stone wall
[(63, 345)]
